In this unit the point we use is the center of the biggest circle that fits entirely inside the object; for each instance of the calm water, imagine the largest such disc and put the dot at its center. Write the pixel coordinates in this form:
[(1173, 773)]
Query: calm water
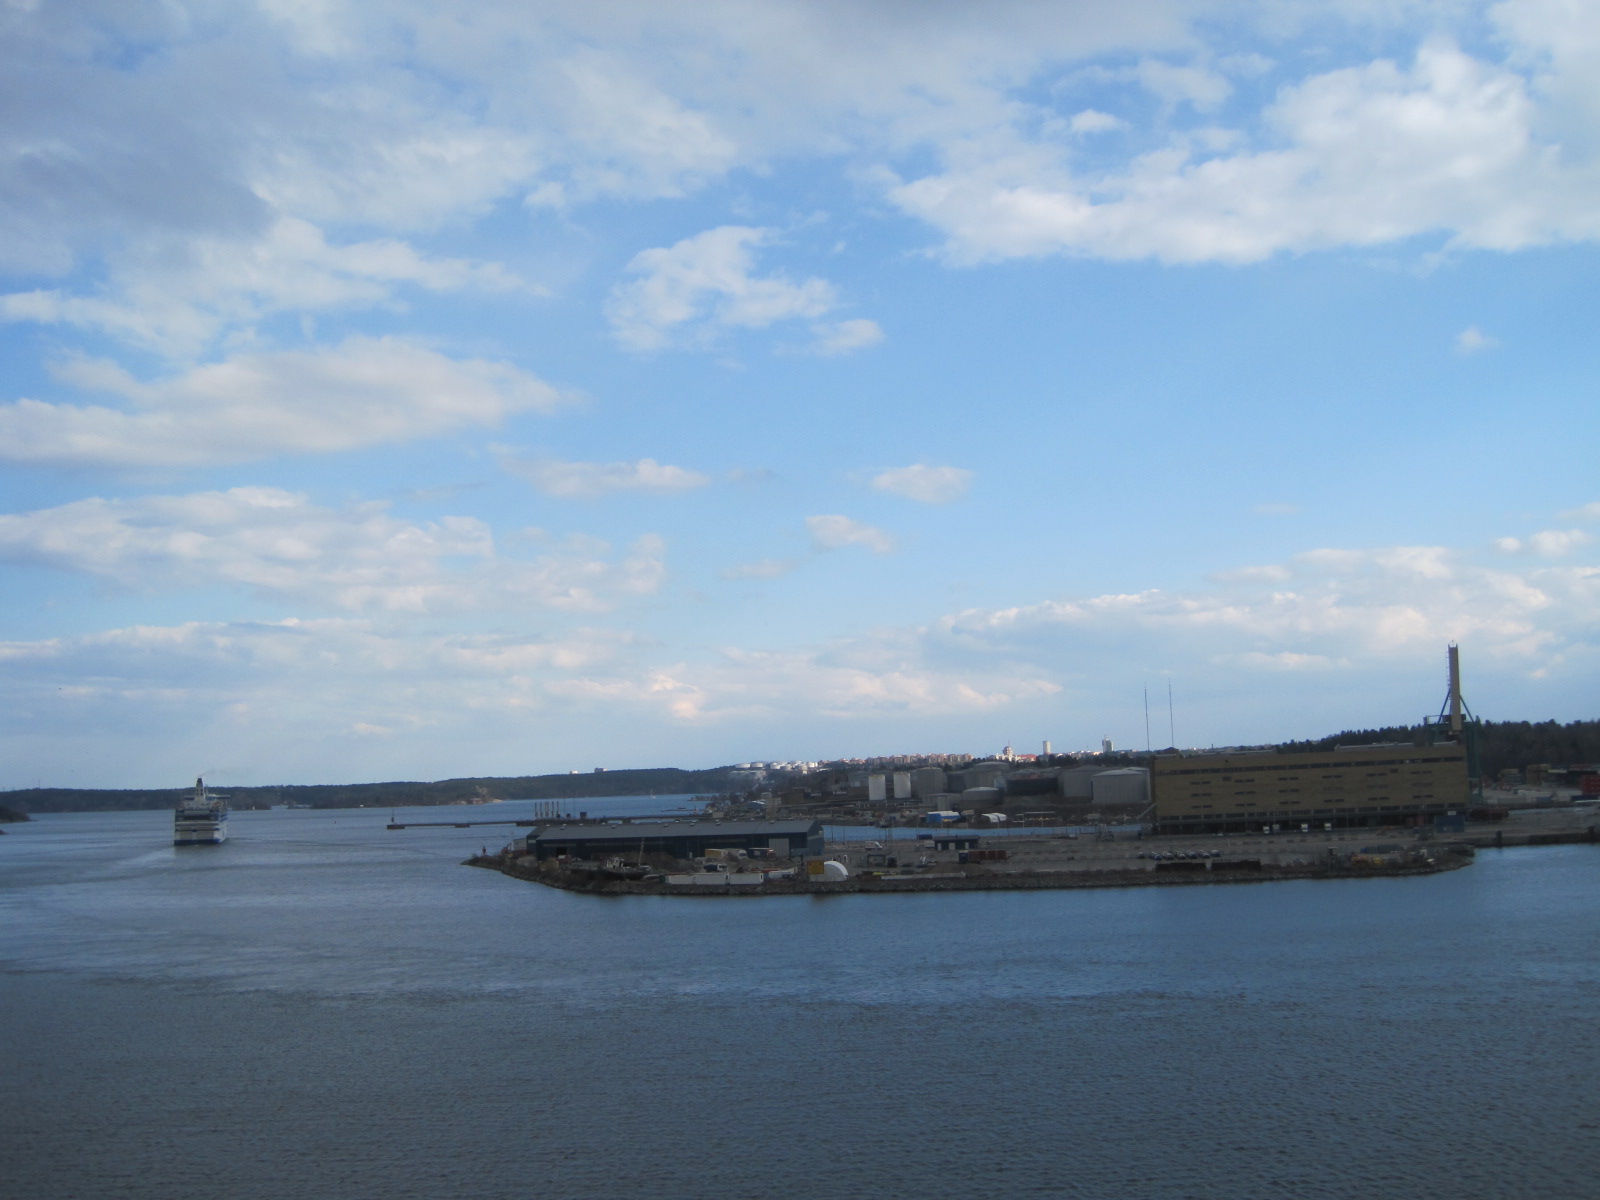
[(323, 1008)]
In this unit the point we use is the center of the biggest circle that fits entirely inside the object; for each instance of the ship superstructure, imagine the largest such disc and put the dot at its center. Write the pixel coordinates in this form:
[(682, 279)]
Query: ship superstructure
[(200, 819)]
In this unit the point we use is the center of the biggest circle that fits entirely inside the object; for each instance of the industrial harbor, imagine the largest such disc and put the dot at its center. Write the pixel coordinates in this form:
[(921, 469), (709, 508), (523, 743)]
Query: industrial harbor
[(1009, 861), (1235, 815)]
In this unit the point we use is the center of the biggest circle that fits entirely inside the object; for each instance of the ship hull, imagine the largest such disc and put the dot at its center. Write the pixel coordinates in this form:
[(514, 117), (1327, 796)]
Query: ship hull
[(200, 839)]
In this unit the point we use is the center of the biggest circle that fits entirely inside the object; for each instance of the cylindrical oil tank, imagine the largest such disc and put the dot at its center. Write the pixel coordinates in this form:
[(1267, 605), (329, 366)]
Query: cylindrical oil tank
[(1075, 783)]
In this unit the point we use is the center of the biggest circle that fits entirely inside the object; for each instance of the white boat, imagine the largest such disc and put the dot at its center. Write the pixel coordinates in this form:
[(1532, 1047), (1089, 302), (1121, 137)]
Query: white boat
[(200, 820)]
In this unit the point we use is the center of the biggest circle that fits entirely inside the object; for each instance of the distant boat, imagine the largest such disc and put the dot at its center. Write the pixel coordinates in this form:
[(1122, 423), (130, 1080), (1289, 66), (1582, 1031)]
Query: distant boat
[(200, 820)]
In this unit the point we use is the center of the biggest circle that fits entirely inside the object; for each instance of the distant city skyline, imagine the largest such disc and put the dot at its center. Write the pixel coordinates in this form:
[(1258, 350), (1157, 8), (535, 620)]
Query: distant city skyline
[(416, 391)]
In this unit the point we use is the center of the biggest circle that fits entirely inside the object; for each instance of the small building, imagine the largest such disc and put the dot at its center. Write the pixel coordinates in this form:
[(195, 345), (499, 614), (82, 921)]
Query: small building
[(679, 839), (955, 841)]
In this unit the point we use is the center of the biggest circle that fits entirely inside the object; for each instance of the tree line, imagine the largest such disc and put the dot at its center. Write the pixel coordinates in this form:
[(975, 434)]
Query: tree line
[(663, 780), (1501, 744)]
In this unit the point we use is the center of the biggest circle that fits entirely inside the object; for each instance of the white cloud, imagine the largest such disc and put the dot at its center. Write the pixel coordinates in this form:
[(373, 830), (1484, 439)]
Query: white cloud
[(1336, 615), (157, 696), (588, 479), (1471, 340), (363, 392), (1360, 156), (178, 295), (1328, 639), (878, 677), (767, 568), (1359, 607), (626, 135), (845, 337), (280, 546), (1556, 543), (1093, 121), (403, 117), (241, 691), (1271, 573), (930, 485), (1548, 543), (1177, 84), (1287, 661), (702, 286), (399, 119), (833, 532), (1589, 512)]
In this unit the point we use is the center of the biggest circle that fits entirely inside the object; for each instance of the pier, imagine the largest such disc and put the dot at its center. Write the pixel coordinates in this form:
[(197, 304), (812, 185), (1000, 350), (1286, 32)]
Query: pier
[(542, 822), (454, 824)]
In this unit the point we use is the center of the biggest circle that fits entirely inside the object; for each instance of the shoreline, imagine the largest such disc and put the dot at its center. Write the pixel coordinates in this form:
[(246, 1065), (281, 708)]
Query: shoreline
[(587, 883)]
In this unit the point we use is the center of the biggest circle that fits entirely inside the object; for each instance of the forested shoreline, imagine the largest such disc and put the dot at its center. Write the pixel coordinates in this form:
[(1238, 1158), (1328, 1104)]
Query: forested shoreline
[(642, 782), (1502, 744)]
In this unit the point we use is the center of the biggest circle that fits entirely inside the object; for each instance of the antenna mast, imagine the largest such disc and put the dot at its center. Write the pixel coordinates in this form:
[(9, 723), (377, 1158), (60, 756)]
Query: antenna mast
[(1455, 721)]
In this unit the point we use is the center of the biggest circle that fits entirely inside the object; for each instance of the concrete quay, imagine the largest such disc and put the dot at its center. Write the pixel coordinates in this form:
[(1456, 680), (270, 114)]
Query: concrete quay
[(1036, 870), (1124, 859)]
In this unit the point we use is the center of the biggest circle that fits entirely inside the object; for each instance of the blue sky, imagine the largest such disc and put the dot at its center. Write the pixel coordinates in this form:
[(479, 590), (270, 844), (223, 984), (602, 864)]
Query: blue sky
[(404, 390)]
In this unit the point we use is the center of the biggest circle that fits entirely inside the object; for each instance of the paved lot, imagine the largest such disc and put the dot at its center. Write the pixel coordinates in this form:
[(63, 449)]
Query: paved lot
[(1129, 853)]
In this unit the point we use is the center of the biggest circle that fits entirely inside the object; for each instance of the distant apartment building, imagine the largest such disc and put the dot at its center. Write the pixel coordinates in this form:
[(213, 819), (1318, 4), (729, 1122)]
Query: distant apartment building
[(1349, 786)]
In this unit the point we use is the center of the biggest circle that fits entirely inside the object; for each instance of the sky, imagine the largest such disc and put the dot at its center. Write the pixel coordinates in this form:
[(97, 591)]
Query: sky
[(405, 389)]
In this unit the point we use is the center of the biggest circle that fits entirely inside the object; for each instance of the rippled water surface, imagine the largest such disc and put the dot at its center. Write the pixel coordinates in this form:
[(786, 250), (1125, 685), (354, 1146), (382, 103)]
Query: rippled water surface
[(324, 1008)]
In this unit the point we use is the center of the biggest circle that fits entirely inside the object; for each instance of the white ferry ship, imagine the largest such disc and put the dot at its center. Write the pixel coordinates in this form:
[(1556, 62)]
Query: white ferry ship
[(200, 820)]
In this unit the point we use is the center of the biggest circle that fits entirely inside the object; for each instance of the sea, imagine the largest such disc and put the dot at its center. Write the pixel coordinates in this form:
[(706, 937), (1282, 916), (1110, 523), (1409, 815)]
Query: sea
[(326, 1008)]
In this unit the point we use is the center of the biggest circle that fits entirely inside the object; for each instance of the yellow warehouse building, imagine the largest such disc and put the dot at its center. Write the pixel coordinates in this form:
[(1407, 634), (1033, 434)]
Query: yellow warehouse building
[(1235, 792)]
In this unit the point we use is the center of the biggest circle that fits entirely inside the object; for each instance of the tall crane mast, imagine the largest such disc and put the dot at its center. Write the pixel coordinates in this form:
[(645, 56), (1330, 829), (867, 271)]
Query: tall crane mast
[(1456, 722)]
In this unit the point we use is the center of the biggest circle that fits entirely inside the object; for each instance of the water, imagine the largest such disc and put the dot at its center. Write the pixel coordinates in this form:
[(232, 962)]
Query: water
[(324, 1008)]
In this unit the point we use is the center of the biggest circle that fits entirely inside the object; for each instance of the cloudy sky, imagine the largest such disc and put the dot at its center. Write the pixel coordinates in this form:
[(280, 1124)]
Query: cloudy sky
[(409, 389)]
